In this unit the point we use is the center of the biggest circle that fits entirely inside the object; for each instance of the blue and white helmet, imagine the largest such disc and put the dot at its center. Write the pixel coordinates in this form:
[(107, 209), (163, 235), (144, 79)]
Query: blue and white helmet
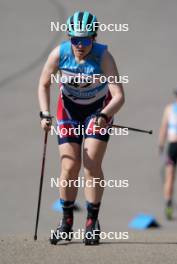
[(82, 24)]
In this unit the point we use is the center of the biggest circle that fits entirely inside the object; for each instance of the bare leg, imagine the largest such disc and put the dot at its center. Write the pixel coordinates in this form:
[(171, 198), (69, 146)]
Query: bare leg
[(93, 154), (70, 158), (169, 182)]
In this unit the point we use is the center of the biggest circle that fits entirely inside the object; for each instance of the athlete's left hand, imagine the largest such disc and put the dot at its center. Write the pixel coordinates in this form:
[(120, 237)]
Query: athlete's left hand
[(101, 122)]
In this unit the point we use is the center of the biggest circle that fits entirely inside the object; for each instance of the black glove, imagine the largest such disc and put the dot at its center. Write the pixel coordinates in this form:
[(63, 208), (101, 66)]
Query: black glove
[(101, 115)]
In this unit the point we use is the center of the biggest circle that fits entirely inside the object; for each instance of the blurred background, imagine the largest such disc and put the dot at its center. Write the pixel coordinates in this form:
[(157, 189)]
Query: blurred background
[(146, 53)]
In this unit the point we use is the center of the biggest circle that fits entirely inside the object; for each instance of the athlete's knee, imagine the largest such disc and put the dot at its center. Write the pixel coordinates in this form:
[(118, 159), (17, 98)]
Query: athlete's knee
[(70, 169), (92, 167)]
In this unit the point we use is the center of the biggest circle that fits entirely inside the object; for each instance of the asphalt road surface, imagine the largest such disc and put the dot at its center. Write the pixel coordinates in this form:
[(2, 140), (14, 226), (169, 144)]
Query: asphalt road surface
[(147, 54), (148, 247)]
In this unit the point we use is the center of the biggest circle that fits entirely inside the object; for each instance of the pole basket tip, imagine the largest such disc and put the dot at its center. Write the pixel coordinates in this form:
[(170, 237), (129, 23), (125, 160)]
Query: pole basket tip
[(150, 132), (35, 237)]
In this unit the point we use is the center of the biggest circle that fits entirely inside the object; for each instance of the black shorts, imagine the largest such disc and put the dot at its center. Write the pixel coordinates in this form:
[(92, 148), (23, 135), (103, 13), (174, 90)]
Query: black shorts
[(172, 153), (72, 116)]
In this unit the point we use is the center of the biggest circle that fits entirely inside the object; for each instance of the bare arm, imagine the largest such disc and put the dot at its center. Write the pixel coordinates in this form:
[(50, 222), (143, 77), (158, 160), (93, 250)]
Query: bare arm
[(50, 67), (116, 89), (163, 128)]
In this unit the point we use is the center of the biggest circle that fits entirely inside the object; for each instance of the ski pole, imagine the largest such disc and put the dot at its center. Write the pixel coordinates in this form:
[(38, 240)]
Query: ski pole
[(41, 183), (133, 129)]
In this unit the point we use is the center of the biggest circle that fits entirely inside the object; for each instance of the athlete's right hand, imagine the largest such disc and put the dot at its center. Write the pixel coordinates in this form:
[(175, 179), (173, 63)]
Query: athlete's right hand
[(46, 124)]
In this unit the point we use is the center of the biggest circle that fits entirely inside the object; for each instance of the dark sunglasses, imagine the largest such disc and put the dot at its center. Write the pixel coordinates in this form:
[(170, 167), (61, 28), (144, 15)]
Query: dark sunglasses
[(84, 41)]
